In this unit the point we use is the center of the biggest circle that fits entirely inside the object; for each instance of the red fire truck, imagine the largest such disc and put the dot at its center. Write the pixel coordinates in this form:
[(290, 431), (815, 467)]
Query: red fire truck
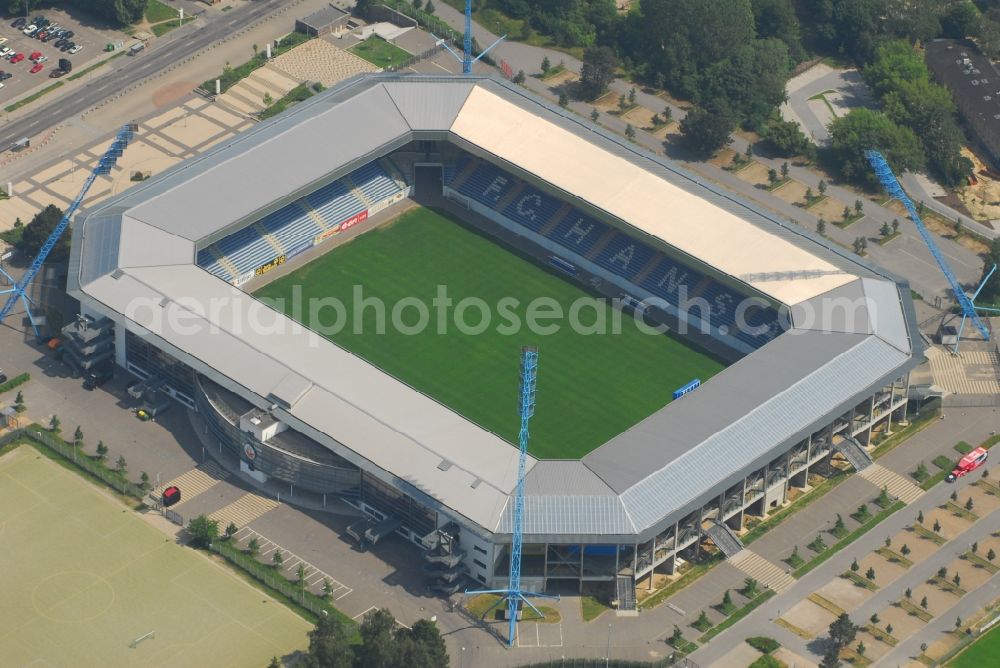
[(968, 464)]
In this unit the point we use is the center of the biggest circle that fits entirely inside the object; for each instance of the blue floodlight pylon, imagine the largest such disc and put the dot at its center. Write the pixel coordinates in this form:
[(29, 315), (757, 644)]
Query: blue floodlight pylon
[(104, 165), (967, 304), (466, 58), (513, 595)]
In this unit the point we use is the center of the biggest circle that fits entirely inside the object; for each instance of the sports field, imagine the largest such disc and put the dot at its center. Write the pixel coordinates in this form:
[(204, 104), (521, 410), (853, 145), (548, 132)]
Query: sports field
[(591, 386), (982, 653), (82, 577)]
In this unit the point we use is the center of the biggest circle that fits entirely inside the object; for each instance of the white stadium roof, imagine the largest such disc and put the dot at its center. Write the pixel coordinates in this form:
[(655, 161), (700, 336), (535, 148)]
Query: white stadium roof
[(134, 256)]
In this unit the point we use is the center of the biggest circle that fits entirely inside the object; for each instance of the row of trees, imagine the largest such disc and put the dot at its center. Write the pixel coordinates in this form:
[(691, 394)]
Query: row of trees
[(120, 12), (383, 644)]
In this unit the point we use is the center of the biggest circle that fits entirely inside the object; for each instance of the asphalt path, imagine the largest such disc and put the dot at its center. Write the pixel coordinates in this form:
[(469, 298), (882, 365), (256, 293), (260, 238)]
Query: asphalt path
[(180, 45)]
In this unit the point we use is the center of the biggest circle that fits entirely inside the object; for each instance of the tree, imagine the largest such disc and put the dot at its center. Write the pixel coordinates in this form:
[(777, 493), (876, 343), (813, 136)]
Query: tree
[(546, 65), (329, 644), (821, 227), (54, 423), (776, 18), (905, 550), (594, 115), (954, 496), (144, 480), (991, 555), (274, 663), (120, 466), (702, 621), (991, 289), (855, 566), (102, 451), (772, 176), (278, 559), (885, 230), (750, 587), (860, 649), (888, 629), (597, 72), (809, 195), (942, 572), (888, 541), (895, 229), (936, 527), (563, 99), (831, 659), (784, 170), (630, 132), (417, 4), (520, 77), (957, 579), (706, 130), (38, 230), (19, 403), (231, 530), (377, 647), (429, 7), (860, 244), (874, 618), (631, 95), (327, 587), (969, 505), (908, 593), (421, 646), (622, 104), (203, 530), (785, 138), (923, 603), (961, 20), (78, 436), (858, 208), (727, 600), (267, 100), (843, 631), (870, 573), (668, 114), (676, 636), (958, 622), (822, 191), (861, 129), (253, 547), (920, 516)]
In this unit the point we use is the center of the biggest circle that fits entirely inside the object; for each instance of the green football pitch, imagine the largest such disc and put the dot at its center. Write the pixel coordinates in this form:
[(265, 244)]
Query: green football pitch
[(982, 653), (82, 577), (591, 386)]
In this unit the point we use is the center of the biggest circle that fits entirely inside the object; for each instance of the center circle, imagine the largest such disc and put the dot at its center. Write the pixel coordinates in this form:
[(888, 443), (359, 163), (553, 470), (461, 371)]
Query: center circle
[(73, 596)]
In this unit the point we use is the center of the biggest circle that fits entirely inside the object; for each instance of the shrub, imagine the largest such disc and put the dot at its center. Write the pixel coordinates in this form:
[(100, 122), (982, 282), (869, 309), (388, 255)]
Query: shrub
[(763, 644)]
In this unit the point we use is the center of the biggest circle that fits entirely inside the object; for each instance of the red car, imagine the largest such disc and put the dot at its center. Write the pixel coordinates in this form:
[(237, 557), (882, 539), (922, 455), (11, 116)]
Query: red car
[(35, 55), (37, 68), (969, 463), (16, 58)]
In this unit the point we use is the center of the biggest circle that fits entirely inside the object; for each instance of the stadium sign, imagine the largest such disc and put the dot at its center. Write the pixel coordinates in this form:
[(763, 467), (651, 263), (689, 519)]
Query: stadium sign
[(347, 224), (273, 264), (249, 452)]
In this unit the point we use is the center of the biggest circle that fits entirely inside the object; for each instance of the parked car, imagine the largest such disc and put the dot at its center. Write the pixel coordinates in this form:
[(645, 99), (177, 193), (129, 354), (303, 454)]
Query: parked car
[(59, 42), (97, 377), (68, 34), (76, 48), (969, 463), (3, 40), (30, 29), (37, 68), (55, 74), (3, 376), (35, 55), (41, 59), (5, 75), (19, 23), (6, 51), (16, 58)]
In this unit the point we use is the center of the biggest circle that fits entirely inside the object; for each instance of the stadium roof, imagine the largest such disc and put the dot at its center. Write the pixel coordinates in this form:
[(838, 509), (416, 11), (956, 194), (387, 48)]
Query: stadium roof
[(135, 255)]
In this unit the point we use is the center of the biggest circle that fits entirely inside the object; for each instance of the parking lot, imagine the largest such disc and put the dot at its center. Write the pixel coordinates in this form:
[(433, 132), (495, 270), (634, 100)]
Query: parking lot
[(89, 34)]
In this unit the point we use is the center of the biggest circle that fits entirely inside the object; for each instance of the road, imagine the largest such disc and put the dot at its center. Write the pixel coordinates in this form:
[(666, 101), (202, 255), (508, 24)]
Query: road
[(179, 45)]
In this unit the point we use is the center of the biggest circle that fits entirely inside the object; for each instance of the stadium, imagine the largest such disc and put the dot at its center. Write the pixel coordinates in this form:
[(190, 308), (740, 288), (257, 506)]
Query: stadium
[(386, 188)]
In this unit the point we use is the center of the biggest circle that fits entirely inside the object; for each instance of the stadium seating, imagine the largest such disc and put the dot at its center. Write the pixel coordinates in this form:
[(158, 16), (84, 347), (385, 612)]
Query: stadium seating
[(621, 255), (294, 225)]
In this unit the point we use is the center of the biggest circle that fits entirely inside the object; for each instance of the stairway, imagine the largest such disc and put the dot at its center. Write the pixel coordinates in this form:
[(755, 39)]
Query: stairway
[(895, 484), (763, 571), (855, 454), (625, 586), (724, 538)]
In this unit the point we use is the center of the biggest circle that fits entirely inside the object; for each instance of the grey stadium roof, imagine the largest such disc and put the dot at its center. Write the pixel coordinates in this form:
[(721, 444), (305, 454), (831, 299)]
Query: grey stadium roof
[(134, 256)]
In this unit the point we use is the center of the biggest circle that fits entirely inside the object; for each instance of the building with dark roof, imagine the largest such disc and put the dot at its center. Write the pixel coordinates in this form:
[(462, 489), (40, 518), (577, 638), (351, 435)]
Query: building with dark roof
[(974, 83)]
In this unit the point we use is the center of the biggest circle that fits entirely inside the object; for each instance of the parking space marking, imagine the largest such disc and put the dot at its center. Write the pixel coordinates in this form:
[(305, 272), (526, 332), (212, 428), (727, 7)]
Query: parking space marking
[(314, 576)]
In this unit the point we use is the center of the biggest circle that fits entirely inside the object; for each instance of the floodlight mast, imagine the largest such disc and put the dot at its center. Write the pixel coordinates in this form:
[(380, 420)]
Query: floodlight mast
[(893, 189), (513, 595), (466, 58), (104, 165)]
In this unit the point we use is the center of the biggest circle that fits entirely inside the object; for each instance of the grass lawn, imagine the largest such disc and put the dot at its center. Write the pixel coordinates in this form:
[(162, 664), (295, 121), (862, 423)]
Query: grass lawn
[(983, 652), (592, 608), (380, 52), (156, 11), (84, 577), (590, 386)]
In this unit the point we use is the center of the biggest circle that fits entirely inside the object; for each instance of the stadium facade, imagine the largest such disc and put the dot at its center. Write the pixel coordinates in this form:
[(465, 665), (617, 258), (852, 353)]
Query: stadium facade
[(819, 361)]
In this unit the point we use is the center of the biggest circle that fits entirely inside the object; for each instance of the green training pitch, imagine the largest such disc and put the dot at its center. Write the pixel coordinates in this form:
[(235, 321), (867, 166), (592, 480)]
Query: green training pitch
[(590, 386), (83, 577), (982, 653)]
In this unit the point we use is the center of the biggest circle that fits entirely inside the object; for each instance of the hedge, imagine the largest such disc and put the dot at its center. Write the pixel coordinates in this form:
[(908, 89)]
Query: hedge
[(14, 382)]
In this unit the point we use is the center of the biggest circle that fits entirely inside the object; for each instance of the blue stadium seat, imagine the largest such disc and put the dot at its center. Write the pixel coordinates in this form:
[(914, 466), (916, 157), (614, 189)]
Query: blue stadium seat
[(624, 256), (532, 209)]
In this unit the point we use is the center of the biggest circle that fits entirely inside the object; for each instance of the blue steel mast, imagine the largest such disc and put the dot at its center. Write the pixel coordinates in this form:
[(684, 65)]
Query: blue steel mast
[(513, 594), (893, 189), (104, 166), (466, 58)]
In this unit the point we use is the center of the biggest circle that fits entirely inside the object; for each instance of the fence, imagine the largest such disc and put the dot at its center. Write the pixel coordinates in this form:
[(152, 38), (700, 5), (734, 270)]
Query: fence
[(71, 453), (970, 400), (276, 581), (614, 663)]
